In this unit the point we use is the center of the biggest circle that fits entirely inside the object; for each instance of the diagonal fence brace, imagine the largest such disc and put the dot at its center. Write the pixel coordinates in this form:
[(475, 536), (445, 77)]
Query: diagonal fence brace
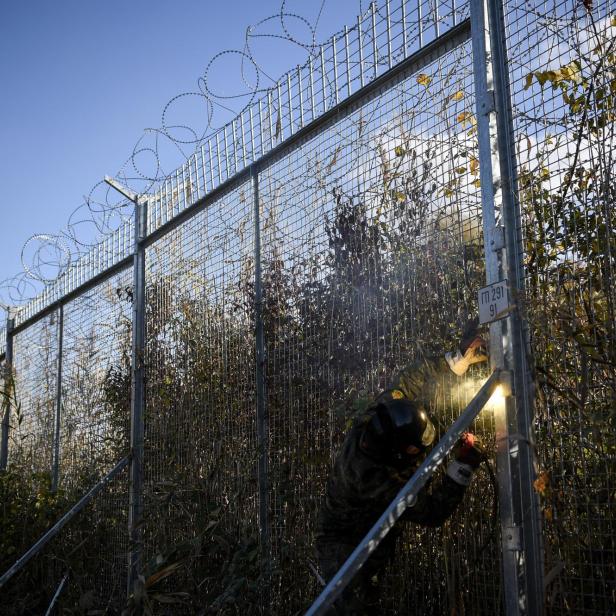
[(405, 498), (67, 517)]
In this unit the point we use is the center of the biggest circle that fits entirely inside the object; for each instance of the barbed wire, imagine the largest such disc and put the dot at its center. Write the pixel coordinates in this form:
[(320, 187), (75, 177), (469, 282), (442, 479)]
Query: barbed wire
[(45, 256)]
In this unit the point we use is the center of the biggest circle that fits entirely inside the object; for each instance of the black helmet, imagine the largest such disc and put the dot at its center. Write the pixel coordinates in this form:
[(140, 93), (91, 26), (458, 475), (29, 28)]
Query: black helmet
[(396, 425)]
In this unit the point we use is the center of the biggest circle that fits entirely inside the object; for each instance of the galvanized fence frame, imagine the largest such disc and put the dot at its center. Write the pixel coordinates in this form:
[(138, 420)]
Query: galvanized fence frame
[(296, 107), (519, 508)]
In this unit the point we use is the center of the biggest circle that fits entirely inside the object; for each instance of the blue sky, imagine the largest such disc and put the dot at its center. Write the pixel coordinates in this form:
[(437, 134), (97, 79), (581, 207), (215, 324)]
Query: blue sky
[(81, 80)]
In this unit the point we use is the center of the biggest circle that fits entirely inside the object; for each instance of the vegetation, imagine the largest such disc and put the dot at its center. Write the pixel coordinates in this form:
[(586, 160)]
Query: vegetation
[(568, 196)]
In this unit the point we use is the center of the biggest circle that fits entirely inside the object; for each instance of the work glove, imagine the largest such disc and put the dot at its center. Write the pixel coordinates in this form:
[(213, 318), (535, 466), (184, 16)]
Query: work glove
[(468, 455), (472, 350)]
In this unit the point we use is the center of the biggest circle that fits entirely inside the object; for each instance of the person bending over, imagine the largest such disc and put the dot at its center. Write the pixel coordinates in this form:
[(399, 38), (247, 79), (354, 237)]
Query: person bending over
[(381, 451)]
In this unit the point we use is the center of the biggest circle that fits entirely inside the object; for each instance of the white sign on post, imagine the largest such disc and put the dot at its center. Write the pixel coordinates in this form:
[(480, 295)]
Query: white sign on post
[(493, 302)]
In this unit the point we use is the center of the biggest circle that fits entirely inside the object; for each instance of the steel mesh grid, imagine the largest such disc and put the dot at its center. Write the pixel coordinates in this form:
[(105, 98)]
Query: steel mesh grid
[(35, 375), (93, 548), (360, 221), (385, 34), (109, 252), (2, 339), (466, 550), (97, 575), (95, 410), (5, 386), (590, 567), (93, 437), (200, 434), (563, 76)]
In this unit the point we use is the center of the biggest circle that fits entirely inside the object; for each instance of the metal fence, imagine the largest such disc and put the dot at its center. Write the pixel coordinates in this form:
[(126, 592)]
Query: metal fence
[(563, 83), (339, 228)]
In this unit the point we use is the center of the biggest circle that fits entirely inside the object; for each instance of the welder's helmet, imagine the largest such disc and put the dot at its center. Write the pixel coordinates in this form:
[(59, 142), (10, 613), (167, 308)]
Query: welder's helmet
[(398, 432)]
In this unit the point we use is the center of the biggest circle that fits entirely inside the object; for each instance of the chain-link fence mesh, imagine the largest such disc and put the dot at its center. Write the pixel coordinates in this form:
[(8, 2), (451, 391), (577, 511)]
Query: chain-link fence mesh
[(563, 80)]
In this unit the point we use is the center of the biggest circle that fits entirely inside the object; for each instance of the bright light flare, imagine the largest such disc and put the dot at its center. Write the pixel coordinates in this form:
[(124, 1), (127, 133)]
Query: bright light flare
[(470, 386), (496, 403)]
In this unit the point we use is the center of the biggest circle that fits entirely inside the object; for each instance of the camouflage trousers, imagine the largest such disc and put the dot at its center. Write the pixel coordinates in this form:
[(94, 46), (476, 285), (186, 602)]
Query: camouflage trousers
[(362, 596)]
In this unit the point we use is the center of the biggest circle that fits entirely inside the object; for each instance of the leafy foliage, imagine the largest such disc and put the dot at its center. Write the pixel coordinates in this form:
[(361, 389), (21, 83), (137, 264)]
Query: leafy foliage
[(570, 243)]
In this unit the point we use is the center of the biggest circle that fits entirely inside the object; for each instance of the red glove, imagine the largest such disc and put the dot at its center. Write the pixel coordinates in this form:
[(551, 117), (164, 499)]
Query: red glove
[(468, 450), (468, 455)]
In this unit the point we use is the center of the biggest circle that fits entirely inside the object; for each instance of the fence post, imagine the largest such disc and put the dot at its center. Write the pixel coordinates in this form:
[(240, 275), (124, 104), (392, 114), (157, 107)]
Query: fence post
[(529, 513), (55, 454), (521, 554), (262, 419), (8, 386), (135, 511)]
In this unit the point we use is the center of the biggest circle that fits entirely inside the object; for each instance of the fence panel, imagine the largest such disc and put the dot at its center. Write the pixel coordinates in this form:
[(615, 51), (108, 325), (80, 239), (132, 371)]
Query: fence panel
[(6, 380), (373, 254), (79, 551), (35, 356), (95, 411), (563, 71), (200, 422), (2, 338), (92, 438), (94, 424)]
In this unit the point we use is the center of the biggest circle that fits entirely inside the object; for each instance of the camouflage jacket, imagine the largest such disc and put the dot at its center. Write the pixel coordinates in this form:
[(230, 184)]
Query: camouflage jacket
[(360, 488)]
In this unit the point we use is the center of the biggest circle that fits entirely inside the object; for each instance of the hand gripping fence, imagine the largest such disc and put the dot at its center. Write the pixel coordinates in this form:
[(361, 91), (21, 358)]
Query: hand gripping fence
[(406, 497), (67, 517)]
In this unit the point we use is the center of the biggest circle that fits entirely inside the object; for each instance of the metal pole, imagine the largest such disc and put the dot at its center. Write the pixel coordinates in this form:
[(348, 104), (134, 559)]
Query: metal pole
[(490, 194), (57, 594), (517, 326), (406, 497), (262, 418), (518, 556), (67, 517), (135, 511), (55, 454), (8, 393)]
